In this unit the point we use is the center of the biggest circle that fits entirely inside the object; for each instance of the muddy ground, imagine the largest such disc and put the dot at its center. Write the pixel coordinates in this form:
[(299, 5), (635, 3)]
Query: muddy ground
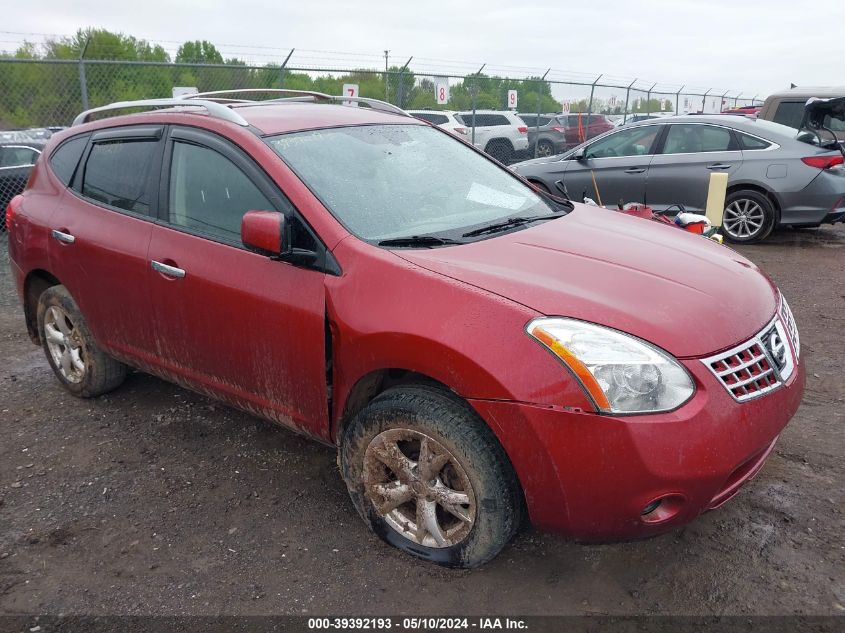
[(154, 500)]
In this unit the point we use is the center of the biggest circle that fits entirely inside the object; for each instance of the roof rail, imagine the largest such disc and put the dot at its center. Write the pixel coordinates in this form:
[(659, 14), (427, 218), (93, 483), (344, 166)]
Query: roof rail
[(214, 109), (296, 95)]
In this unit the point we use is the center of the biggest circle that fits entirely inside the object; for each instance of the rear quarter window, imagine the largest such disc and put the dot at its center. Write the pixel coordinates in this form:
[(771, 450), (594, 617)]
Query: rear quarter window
[(64, 160)]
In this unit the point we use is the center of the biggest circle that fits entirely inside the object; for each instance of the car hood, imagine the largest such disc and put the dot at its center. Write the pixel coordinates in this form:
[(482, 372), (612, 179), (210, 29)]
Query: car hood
[(684, 293)]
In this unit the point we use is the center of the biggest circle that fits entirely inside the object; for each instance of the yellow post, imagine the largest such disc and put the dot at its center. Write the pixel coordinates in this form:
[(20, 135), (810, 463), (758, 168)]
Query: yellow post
[(716, 198)]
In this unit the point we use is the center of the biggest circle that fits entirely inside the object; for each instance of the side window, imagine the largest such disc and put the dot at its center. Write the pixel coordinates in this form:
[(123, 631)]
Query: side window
[(209, 194), (529, 119), (65, 159), (17, 156), (117, 174), (751, 142), (789, 113), (498, 119), (692, 139), (545, 120), (631, 142)]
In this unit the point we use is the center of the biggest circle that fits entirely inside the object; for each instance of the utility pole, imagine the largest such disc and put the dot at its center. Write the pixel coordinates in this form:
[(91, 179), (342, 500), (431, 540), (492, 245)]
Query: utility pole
[(386, 78)]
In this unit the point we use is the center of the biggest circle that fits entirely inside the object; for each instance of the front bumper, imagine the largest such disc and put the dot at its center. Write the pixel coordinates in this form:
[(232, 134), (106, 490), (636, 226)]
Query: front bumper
[(591, 476)]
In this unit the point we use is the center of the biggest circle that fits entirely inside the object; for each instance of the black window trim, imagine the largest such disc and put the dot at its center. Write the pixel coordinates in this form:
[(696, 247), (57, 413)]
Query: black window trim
[(322, 260), (127, 133)]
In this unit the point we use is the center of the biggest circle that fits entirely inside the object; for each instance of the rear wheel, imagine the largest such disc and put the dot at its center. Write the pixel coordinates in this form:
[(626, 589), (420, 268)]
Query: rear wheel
[(428, 477), (500, 149), (82, 367), (749, 217), (545, 148)]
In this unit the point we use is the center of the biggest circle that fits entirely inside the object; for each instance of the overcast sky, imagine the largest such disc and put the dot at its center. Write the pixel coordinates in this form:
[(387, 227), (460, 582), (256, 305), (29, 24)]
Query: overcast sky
[(755, 46)]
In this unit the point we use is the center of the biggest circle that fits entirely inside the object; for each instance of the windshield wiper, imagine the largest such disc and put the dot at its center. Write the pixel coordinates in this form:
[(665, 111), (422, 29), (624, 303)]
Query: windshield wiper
[(419, 240), (510, 223)]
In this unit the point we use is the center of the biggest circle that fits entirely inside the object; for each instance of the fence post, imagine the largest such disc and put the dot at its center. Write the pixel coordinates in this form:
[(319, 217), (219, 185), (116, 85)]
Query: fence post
[(648, 99), (83, 81), (474, 94), (627, 97), (754, 99), (400, 92), (537, 122), (678, 100), (704, 100), (282, 69), (590, 107), (736, 98), (722, 100)]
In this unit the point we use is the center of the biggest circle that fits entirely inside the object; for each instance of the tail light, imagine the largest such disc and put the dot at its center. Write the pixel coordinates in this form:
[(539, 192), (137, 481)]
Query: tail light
[(560, 130), (14, 203), (522, 129), (460, 130), (823, 162)]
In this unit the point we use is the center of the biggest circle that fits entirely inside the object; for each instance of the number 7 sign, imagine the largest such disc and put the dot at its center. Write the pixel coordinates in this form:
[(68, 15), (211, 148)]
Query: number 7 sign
[(350, 90), (512, 99)]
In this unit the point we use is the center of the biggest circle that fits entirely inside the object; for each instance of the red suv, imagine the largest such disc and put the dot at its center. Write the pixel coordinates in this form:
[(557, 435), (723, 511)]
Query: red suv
[(475, 349)]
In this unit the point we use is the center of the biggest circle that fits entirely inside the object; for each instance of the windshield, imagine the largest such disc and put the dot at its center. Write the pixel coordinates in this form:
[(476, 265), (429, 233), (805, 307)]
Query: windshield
[(395, 181)]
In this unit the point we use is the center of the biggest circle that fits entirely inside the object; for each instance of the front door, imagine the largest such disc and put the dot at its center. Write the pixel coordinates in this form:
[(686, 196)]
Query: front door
[(680, 171), (229, 321), (614, 168)]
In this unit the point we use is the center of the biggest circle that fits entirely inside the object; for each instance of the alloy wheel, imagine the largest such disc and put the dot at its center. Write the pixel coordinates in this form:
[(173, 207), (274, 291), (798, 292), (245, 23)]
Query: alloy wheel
[(419, 488), (64, 344), (744, 218), (544, 150)]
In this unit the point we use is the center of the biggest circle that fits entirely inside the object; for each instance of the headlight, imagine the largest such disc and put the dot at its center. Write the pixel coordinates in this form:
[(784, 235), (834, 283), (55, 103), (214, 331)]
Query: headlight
[(621, 373)]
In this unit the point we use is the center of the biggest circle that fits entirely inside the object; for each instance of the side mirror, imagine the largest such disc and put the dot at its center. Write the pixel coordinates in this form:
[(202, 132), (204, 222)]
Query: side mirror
[(265, 232), (579, 155)]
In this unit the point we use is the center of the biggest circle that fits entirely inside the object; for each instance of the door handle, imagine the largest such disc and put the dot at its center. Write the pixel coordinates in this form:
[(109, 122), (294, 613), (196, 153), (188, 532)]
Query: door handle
[(67, 238), (719, 166), (635, 170), (170, 271)]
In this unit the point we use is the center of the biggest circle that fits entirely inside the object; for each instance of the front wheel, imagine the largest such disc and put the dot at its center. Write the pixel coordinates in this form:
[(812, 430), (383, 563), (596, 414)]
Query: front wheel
[(545, 149), (429, 477), (501, 150), (749, 217)]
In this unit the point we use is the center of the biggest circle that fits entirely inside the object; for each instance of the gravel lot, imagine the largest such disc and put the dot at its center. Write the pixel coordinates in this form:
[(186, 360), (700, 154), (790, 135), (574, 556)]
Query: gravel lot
[(154, 500)]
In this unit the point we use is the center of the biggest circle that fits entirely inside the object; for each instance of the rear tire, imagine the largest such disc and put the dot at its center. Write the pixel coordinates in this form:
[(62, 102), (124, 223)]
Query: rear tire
[(459, 507), (500, 149), (545, 149), (749, 217), (80, 365)]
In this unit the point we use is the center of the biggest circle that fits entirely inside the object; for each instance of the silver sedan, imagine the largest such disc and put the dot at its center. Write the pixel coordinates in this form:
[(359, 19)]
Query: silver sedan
[(776, 175)]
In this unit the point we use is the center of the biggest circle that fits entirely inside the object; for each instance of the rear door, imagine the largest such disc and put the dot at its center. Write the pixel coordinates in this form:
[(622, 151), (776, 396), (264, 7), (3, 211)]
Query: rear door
[(240, 325), (615, 167), (101, 230), (690, 152)]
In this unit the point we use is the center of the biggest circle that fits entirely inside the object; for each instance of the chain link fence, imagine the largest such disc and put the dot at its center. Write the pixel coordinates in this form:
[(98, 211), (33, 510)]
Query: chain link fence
[(40, 93)]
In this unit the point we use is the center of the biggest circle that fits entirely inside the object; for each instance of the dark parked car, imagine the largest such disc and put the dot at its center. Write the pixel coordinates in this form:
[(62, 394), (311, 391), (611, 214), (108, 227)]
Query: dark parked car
[(546, 133), (475, 351), (787, 107), (774, 178), (16, 161)]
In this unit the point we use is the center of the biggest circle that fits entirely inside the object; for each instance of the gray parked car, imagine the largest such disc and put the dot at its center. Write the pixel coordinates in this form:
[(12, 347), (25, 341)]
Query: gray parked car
[(776, 175)]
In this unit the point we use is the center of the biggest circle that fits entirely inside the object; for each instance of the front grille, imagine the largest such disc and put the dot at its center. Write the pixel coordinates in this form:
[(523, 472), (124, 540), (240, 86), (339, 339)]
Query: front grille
[(789, 324), (757, 366)]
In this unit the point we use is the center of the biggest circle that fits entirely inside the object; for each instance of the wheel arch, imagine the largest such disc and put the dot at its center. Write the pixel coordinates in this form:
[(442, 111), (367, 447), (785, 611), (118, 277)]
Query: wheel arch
[(36, 282)]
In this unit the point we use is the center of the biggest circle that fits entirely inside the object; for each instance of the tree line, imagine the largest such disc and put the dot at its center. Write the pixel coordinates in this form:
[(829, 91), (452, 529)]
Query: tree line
[(40, 94)]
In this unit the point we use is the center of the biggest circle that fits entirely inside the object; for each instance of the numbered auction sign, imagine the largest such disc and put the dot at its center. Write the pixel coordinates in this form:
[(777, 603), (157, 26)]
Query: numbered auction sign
[(350, 90), (441, 92), (512, 98), (565, 107)]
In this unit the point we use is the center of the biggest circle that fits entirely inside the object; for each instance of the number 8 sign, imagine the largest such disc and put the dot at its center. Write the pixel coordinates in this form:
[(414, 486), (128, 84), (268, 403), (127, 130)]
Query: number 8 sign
[(441, 92), (512, 98)]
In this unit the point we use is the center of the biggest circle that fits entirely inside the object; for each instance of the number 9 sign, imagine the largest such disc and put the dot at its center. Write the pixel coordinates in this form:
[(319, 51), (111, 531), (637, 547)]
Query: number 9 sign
[(441, 92), (512, 99)]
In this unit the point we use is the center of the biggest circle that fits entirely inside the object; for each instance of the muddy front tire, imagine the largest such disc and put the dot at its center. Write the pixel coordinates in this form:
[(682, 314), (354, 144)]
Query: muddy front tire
[(429, 477), (80, 365)]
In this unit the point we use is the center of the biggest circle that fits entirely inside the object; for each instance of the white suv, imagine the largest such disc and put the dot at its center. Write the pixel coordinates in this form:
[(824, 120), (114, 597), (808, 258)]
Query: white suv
[(444, 119), (502, 134)]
